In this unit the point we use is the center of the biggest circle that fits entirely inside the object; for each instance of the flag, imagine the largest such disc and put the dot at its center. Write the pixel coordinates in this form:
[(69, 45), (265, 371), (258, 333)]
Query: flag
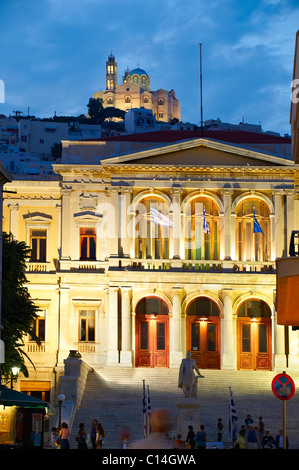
[(232, 417), (256, 225), (149, 413), (160, 219), (206, 227), (146, 411)]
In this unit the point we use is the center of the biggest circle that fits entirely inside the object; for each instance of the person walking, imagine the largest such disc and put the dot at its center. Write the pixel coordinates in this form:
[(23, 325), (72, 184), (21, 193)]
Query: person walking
[(64, 436), (279, 440), (190, 439), (100, 436), (82, 437), (201, 438), (252, 438), (219, 429), (161, 425), (268, 441), (93, 433)]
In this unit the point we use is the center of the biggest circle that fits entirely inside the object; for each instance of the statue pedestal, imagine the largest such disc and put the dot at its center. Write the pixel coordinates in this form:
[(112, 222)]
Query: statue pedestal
[(188, 413)]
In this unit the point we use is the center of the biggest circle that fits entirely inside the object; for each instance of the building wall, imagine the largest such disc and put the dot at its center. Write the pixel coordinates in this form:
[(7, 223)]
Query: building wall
[(104, 197)]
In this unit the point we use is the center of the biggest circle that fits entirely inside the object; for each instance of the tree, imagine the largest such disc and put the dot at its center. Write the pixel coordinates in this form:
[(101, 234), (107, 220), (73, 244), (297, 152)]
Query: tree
[(95, 110), (18, 309)]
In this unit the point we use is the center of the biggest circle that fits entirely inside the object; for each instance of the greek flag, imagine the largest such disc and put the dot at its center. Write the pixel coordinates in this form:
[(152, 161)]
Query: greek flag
[(146, 411), (232, 417), (206, 227), (160, 219), (256, 225)]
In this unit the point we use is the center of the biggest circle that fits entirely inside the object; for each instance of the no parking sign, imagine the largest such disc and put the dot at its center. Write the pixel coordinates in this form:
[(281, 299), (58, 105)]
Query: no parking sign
[(283, 386)]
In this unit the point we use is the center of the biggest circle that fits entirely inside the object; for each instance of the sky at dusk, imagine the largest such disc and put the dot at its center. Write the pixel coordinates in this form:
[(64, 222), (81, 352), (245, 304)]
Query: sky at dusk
[(54, 53)]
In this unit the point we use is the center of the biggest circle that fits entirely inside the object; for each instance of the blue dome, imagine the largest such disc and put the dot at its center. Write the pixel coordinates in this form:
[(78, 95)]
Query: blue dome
[(139, 72)]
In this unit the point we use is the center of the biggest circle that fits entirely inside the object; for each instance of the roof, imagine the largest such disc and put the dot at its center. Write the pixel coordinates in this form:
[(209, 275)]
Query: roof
[(233, 136), (10, 397), (138, 71)]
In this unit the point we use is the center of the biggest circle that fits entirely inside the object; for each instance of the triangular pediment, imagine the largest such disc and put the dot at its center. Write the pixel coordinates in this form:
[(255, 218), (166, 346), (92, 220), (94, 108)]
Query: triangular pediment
[(199, 152)]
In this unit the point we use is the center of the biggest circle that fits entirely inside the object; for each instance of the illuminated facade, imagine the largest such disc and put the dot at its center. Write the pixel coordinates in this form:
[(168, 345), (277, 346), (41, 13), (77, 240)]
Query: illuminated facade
[(135, 92), (121, 288)]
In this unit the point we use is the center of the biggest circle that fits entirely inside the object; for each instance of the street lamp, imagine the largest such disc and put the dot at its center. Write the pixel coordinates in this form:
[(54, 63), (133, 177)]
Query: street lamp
[(61, 399), (15, 370)]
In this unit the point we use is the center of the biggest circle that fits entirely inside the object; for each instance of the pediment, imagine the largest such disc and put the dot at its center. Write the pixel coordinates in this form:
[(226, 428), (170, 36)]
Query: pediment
[(87, 217), (37, 217), (200, 152)]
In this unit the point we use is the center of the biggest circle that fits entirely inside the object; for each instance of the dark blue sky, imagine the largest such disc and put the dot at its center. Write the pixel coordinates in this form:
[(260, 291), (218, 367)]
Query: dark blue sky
[(54, 52)]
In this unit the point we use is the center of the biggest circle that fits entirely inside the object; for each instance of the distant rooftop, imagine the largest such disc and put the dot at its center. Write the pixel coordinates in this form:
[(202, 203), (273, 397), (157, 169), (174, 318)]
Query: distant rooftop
[(232, 136)]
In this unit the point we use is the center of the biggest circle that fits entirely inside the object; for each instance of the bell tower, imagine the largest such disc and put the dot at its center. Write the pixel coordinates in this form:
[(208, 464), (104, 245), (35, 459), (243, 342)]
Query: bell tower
[(111, 73)]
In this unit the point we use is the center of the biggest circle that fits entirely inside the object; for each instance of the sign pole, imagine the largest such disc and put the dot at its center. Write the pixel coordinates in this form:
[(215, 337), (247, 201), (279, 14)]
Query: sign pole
[(284, 424)]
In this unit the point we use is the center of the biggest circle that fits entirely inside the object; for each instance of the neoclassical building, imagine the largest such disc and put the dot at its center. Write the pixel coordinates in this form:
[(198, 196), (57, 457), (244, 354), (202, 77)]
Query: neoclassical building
[(135, 92), (140, 257)]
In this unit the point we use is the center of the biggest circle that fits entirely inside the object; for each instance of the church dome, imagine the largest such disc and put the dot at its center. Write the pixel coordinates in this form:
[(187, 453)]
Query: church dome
[(139, 72)]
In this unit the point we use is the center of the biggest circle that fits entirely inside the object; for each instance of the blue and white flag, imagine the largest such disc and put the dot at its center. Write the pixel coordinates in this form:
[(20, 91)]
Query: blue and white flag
[(206, 227), (160, 219), (232, 417), (146, 411), (256, 225)]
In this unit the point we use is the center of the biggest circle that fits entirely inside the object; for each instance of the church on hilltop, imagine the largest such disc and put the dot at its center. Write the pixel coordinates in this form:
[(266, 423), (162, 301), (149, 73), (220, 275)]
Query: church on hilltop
[(135, 92)]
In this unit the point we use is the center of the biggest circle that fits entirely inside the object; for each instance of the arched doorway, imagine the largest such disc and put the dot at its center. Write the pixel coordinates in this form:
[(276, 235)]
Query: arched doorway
[(152, 333), (203, 332), (254, 336)]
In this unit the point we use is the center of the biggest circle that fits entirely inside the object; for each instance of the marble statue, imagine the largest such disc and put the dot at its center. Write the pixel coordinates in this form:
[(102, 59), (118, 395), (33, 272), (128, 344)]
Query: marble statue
[(187, 377)]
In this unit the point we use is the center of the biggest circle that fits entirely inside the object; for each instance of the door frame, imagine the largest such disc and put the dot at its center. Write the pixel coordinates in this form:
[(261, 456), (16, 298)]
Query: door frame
[(253, 359), (205, 359), (151, 357)]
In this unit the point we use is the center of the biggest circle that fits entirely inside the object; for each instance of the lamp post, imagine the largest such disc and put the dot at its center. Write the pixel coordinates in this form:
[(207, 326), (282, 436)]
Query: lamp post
[(14, 375), (61, 399)]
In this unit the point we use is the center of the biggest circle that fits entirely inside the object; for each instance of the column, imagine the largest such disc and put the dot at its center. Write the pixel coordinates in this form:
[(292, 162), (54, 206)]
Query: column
[(228, 338), (113, 225), (227, 228), (290, 219), (65, 223), (123, 219), (14, 208), (277, 227), (176, 354), (279, 345), (112, 353), (176, 231), (126, 323), (63, 323)]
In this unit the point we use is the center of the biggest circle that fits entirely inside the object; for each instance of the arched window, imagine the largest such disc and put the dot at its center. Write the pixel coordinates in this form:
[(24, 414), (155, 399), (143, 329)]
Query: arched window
[(254, 309), (110, 101), (202, 230), (160, 101), (253, 231), (127, 99), (145, 99), (152, 227), (151, 306), (203, 307), (135, 79)]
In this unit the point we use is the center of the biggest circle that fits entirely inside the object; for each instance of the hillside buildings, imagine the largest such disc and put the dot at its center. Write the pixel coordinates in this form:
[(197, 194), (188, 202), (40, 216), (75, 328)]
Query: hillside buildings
[(135, 92)]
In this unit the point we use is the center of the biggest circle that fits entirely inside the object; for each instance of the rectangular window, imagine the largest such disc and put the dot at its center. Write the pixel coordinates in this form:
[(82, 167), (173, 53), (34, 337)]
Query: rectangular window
[(246, 342), (144, 336), (87, 325), (38, 244), (38, 329), (211, 337), (263, 346), (87, 244), (161, 336), (195, 328)]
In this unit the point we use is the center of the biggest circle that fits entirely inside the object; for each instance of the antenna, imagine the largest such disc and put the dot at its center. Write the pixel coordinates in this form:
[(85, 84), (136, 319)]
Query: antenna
[(201, 114)]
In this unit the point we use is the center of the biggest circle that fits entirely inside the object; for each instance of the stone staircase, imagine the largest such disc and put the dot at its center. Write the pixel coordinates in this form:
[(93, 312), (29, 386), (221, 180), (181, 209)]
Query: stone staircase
[(114, 396)]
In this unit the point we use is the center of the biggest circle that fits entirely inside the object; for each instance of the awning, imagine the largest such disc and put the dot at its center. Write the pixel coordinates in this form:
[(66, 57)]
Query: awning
[(10, 397)]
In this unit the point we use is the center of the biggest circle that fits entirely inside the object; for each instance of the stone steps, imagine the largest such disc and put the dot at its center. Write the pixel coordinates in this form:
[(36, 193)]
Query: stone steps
[(114, 396)]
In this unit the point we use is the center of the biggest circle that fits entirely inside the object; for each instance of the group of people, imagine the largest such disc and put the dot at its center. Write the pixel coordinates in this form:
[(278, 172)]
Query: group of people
[(94, 439), (253, 436)]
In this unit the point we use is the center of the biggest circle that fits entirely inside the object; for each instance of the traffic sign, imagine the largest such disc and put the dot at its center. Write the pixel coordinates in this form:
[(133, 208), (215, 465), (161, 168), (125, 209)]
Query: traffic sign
[(283, 386)]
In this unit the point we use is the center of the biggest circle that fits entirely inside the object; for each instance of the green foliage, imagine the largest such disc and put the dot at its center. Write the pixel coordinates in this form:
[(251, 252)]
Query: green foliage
[(18, 309)]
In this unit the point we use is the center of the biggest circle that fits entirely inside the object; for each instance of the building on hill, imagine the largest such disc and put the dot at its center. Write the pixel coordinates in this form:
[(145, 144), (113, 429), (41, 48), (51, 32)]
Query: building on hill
[(142, 253), (135, 92)]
